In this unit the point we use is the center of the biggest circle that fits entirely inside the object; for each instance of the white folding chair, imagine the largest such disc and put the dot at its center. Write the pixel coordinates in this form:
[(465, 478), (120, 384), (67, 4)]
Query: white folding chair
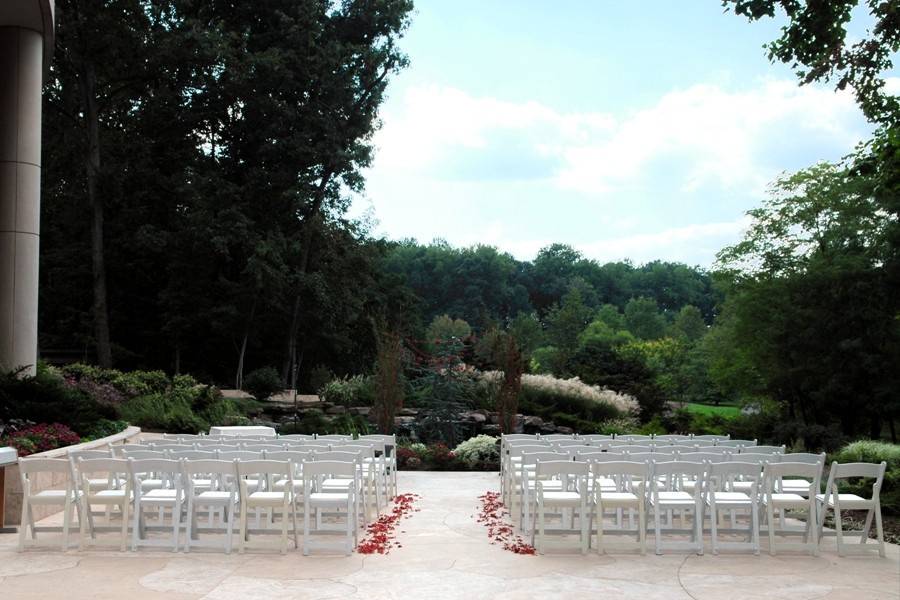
[(799, 486), (526, 482), (720, 493), (736, 443), (116, 493), (317, 498), (775, 499), (710, 438), (210, 484), (169, 496), (835, 501), (667, 493), (388, 451), (257, 497), (763, 449), (617, 486), (562, 485), (68, 497)]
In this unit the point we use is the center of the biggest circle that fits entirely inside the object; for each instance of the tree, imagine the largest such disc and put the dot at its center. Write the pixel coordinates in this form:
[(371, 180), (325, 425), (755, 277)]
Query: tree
[(389, 380), (444, 328), (813, 304), (816, 43), (565, 322), (642, 319), (611, 316), (689, 324), (104, 64)]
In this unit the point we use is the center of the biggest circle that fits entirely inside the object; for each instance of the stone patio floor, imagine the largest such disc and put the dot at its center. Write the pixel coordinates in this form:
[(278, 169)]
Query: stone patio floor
[(444, 554)]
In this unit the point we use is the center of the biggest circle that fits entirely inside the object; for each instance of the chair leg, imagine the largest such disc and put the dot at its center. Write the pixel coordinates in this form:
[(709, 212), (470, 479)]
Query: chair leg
[(540, 514), (698, 527), (284, 524), (642, 528), (190, 525), (585, 534), (124, 534), (879, 529), (656, 521), (137, 526), (31, 520), (306, 509), (770, 521), (230, 529), (176, 525), (754, 528), (242, 534), (713, 525), (67, 521), (25, 523), (838, 529), (864, 535)]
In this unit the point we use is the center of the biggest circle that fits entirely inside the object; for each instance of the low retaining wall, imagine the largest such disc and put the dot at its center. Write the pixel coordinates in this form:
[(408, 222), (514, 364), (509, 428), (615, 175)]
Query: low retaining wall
[(12, 487)]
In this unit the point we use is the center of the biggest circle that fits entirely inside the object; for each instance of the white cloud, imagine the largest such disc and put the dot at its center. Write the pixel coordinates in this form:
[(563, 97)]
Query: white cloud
[(700, 135)]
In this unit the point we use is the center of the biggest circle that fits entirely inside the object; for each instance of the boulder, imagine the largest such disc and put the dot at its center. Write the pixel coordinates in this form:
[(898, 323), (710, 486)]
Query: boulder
[(474, 417)]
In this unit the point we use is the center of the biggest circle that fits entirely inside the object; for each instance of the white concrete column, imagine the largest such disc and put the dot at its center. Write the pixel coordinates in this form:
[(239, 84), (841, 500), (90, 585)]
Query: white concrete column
[(21, 70)]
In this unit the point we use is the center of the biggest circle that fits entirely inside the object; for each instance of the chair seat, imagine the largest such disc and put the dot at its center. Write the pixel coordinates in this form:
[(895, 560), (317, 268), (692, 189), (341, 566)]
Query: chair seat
[(280, 485), (795, 486), (160, 496), (266, 498), (559, 497), (53, 497), (337, 483), (214, 495), (111, 496), (618, 498), (784, 500), (675, 498), (729, 499), (741, 486), (149, 484), (848, 501), (549, 484), (329, 498)]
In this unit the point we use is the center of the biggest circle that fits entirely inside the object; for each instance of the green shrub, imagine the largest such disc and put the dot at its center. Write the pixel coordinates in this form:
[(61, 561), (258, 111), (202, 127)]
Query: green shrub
[(263, 383), (162, 412), (619, 426), (875, 452), (478, 451), (358, 390), (104, 428), (47, 397)]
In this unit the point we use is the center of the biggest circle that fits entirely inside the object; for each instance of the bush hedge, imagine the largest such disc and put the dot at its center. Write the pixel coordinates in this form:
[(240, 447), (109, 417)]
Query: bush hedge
[(875, 452)]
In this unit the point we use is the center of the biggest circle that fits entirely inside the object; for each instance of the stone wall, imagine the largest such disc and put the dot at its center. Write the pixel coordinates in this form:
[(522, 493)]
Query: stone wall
[(12, 492)]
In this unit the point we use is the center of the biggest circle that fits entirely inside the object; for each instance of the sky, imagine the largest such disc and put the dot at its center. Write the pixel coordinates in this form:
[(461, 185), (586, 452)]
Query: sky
[(629, 130)]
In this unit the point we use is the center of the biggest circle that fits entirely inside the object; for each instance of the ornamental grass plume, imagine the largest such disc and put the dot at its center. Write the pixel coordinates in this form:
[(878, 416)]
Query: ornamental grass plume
[(574, 388)]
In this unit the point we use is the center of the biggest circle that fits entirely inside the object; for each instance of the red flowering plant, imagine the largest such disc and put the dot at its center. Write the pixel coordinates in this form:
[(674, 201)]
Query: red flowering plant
[(404, 455), (40, 438), (441, 457)]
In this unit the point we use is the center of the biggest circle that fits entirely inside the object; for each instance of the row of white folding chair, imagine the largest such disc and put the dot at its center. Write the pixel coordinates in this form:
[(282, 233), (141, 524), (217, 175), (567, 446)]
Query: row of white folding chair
[(623, 437), (622, 485), (690, 483), (371, 468), (125, 492)]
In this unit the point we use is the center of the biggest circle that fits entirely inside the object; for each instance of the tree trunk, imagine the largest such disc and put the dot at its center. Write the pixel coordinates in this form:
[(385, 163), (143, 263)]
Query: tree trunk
[(291, 365), (239, 376), (98, 261)]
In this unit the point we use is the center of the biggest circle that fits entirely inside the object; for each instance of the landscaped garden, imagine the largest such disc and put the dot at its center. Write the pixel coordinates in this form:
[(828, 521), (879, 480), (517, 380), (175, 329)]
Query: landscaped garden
[(650, 350)]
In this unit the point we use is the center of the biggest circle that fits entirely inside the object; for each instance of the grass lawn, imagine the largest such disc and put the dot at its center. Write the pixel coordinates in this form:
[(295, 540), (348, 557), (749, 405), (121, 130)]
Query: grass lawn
[(708, 409)]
